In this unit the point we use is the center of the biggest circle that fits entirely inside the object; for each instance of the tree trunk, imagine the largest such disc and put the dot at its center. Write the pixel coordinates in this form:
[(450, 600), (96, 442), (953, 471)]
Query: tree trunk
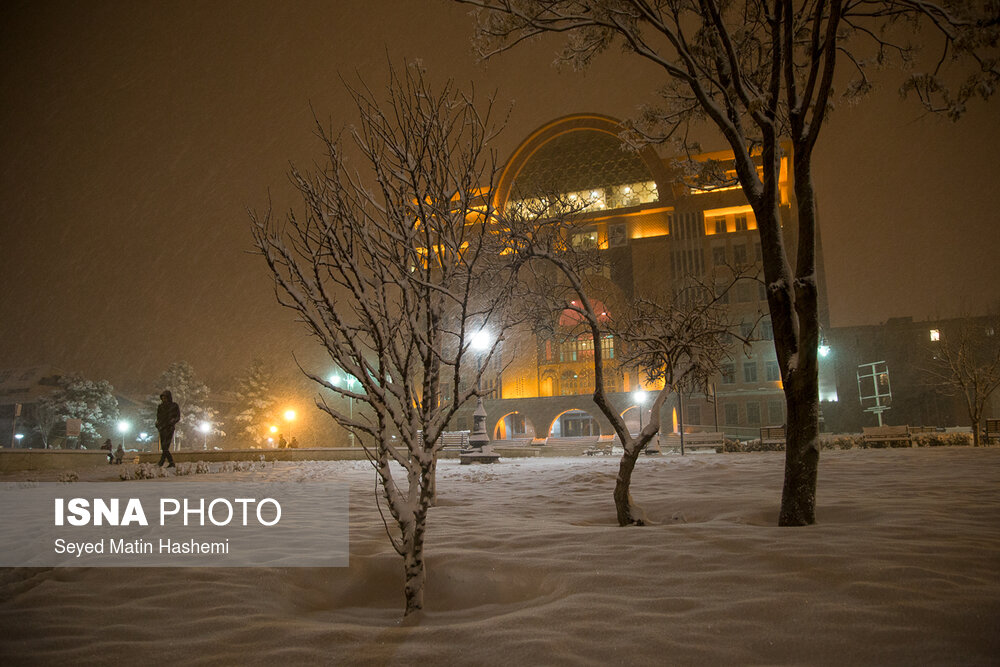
[(975, 432), (798, 496), (627, 512), (413, 567), (801, 379)]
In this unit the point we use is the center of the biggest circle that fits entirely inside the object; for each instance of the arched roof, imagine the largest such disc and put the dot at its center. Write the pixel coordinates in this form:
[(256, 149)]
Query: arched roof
[(576, 153)]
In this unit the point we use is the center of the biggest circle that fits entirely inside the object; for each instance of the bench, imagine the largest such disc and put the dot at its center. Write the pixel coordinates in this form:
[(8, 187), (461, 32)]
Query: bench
[(711, 440), (772, 435), (887, 434), (992, 430)]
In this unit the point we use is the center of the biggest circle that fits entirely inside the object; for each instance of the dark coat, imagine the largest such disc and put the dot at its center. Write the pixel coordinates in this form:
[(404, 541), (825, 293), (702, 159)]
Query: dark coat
[(168, 413)]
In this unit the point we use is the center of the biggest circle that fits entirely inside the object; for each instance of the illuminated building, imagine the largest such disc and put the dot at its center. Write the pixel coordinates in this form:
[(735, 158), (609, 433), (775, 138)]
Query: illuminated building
[(657, 228)]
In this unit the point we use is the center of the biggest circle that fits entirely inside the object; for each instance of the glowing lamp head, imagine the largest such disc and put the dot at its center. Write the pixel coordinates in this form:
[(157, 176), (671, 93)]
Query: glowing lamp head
[(123, 426), (204, 427), (290, 415), (481, 340), (824, 350), (639, 396)]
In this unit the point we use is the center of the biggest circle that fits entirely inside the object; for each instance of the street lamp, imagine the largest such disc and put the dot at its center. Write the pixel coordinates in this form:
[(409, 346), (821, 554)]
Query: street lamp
[(18, 437), (205, 427), (289, 417), (479, 439), (639, 396), (123, 427)]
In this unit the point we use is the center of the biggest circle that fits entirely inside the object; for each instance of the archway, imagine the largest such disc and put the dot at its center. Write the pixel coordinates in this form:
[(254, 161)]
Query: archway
[(514, 426), (631, 417), (574, 424)]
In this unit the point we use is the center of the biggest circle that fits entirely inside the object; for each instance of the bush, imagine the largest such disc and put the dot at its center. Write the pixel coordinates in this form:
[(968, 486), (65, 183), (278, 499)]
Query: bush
[(857, 441)]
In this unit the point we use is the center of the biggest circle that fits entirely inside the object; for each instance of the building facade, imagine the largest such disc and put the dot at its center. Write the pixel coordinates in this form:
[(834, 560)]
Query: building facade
[(656, 228), (905, 355)]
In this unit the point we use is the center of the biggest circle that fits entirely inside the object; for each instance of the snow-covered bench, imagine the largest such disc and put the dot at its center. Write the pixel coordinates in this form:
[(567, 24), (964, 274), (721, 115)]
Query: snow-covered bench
[(692, 441), (772, 435), (887, 434), (992, 430)]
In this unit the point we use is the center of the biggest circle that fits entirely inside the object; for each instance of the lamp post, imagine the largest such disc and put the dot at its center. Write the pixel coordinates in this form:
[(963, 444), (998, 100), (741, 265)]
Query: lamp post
[(639, 396), (123, 427), (479, 439), (205, 427)]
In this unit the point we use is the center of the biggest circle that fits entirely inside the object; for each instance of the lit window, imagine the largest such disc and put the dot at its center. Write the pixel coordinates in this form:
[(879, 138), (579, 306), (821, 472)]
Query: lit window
[(935, 335)]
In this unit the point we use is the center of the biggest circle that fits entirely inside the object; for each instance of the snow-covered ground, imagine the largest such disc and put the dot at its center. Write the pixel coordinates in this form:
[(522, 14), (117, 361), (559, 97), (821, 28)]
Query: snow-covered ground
[(526, 566)]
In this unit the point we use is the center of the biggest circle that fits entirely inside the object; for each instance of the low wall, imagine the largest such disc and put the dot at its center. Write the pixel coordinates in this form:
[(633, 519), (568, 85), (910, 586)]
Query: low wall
[(13, 460)]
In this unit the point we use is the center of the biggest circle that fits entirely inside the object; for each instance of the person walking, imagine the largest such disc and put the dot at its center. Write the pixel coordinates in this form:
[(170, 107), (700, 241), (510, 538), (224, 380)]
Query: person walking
[(168, 414)]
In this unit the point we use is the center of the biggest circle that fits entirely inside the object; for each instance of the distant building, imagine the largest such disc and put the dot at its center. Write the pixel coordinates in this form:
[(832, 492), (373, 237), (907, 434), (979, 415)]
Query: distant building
[(656, 229), (20, 389), (908, 349)]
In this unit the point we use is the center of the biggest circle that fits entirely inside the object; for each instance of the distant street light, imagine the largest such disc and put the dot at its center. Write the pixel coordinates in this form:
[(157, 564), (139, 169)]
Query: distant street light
[(205, 427), (123, 427), (289, 417), (18, 437)]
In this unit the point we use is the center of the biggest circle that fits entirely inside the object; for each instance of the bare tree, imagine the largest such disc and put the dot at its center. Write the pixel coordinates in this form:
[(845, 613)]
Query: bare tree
[(760, 71), (677, 339), (967, 364), (393, 270)]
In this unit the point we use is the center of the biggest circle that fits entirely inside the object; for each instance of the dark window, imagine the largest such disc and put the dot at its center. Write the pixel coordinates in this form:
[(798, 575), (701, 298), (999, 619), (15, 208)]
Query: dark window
[(741, 223), (775, 413), (773, 372), (749, 371), (739, 254), (720, 225), (723, 292), (732, 414), (728, 373), (693, 415), (753, 413), (719, 255)]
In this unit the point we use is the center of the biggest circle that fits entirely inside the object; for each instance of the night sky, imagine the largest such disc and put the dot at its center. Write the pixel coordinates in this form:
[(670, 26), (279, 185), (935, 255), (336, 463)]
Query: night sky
[(135, 136)]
